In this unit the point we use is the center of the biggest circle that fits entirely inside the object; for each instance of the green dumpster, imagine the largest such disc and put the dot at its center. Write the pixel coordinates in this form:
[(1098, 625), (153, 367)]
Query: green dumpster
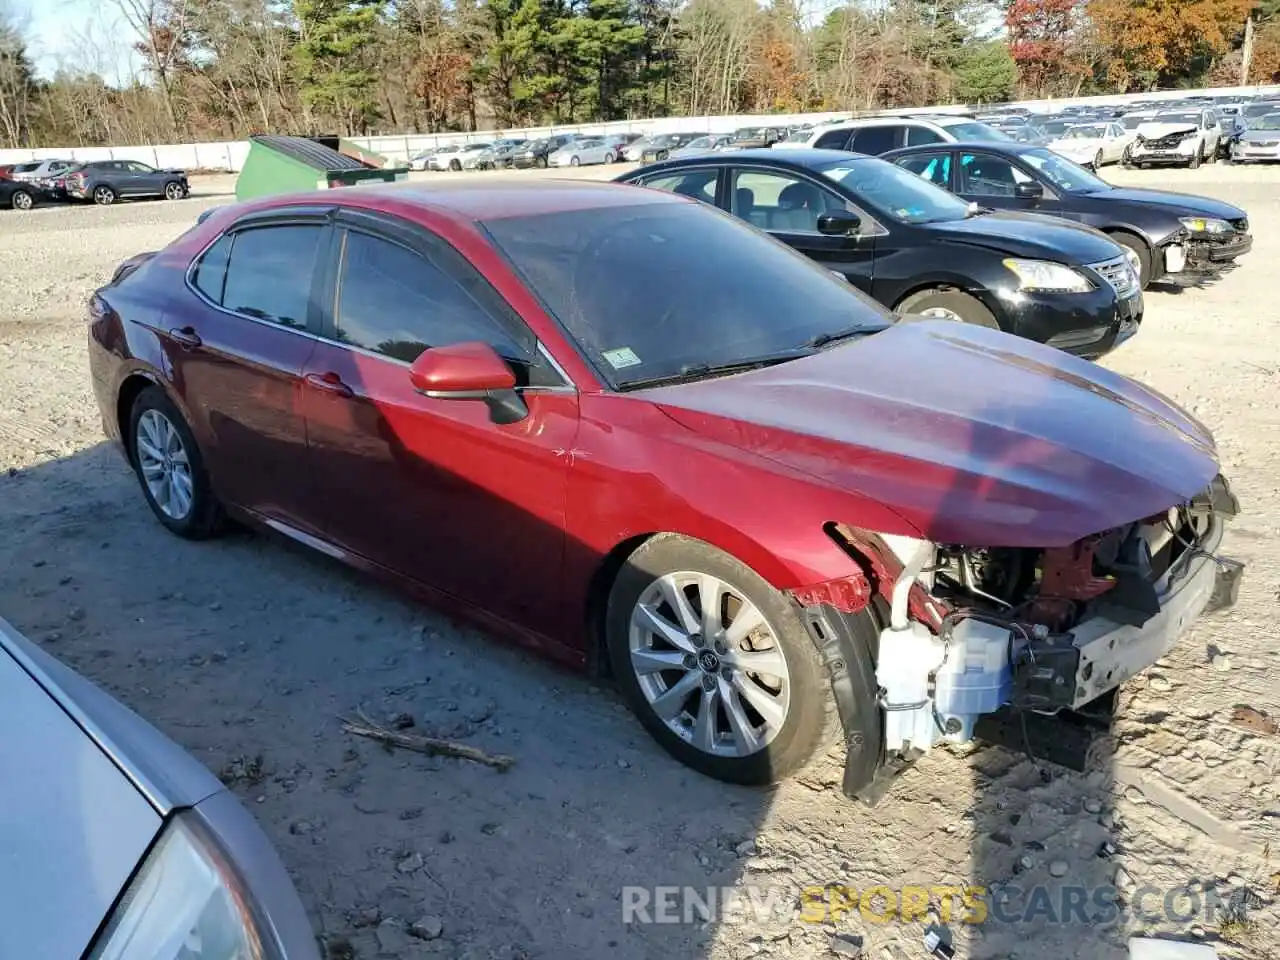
[(293, 164)]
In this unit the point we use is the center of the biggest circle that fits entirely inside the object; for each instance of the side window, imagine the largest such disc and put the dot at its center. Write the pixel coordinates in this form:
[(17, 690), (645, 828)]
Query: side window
[(699, 184), (210, 274), (780, 201), (394, 302), (270, 272), (984, 175), (875, 140), (919, 136), (934, 167), (833, 140)]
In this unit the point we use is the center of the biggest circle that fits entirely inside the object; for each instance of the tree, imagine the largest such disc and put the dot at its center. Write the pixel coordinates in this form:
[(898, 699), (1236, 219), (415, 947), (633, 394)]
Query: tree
[(1148, 42), (163, 41), (1042, 36), (986, 73), (18, 88), (333, 58)]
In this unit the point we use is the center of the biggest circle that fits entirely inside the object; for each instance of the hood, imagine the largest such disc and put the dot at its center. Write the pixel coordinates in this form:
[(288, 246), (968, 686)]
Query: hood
[(1075, 145), (1260, 136), (84, 825), (1154, 130), (1179, 204), (1030, 235), (1053, 448)]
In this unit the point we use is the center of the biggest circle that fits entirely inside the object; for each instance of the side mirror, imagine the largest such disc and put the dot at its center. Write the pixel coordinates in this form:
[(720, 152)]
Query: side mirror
[(839, 224), (1031, 190), (469, 371)]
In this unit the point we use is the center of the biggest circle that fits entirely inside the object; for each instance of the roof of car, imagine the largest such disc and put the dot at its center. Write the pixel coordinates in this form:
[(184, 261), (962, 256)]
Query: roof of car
[(988, 146), (808, 157)]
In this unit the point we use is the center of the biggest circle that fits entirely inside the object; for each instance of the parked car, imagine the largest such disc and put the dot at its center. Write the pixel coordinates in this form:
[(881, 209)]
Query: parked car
[(1259, 141), (659, 146), (453, 156), (17, 195), (708, 144), (746, 138), (422, 161), (1093, 144), (918, 249), (1031, 133), (106, 181), (1188, 137), (624, 428), (486, 159), (584, 151), (40, 169), (1169, 233), (536, 153), (119, 843), (503, 157), (877, 135)]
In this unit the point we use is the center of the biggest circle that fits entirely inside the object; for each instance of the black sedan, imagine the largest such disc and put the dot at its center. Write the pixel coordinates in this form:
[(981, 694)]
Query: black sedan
[(1169, 232), (920, 250), (18, 194)]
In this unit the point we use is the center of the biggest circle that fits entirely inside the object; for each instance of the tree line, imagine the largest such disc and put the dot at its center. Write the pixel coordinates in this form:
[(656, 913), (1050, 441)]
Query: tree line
[(224, 69)]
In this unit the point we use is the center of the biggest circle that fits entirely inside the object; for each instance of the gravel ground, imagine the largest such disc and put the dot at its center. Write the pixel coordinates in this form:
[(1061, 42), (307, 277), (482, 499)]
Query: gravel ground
[(247, 650)]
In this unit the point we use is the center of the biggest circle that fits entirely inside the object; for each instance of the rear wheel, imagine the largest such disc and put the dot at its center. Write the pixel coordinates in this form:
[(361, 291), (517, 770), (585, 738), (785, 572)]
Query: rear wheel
[(542, 162), (104, 196), (455, 166), (949, 305), (716, 664), (170, 468), (21, 200)]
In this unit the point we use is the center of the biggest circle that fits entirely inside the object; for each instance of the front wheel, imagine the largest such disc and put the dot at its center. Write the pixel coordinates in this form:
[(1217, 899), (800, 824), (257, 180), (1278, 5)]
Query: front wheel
[(174, 191), (170, 468), (1097, 161), (1195, 160), (542, 163), (104, 196), (949, 305), (455, 166), (22, 200), (573, 161), (716, 664)]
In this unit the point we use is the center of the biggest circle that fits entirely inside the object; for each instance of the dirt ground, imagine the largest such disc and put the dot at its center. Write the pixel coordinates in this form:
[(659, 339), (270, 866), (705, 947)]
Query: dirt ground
[(247, 651)]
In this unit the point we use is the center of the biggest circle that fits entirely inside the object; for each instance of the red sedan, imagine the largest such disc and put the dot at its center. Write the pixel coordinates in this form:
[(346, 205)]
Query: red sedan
[(638, 435)]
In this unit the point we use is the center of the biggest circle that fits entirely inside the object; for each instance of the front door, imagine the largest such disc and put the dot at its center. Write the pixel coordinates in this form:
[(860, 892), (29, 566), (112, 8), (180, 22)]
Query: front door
[(237, 352), (433, 488), (992, 180), (788, 206)]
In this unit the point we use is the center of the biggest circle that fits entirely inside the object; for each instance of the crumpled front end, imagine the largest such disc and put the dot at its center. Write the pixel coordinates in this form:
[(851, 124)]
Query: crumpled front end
[(978, 634)]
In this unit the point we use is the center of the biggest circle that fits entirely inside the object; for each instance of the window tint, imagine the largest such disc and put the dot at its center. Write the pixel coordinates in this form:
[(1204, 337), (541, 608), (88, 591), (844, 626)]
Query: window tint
[(780, 201), (394, 302), (934, 167), (985, 175), (210, 274), (699, 184), (875, 140), (833, 140), (918, 136), (270, 273)]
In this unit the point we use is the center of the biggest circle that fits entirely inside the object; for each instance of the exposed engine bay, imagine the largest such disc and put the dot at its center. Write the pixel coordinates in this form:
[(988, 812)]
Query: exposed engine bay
[(1042, 632)]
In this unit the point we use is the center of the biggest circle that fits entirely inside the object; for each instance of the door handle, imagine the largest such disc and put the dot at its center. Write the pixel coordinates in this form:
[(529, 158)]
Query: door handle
[(186, 337), (329, 383)]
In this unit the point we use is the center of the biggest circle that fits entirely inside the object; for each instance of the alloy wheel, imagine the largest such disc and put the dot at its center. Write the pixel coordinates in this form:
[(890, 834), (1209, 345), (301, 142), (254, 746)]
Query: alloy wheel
[(22, 200), (941, 313), (709, 664), (104, 196), (164, 465), (173, 191)]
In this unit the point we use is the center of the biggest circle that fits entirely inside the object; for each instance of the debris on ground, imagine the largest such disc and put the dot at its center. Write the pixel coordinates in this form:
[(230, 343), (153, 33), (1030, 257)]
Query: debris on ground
[(431, 746)]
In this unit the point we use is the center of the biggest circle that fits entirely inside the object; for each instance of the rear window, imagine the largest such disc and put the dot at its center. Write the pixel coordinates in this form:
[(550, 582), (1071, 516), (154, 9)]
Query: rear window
[(25, 167)]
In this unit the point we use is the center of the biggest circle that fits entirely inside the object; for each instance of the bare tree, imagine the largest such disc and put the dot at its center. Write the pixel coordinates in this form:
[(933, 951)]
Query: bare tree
[(161, 26)]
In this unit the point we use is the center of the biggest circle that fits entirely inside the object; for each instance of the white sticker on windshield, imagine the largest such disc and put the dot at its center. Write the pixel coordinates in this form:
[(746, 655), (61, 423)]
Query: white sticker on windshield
[(621, 357)]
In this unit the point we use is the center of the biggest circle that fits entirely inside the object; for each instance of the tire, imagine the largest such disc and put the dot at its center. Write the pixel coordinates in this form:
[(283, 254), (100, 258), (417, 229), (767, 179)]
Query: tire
[(173, 191), (199, 515), (1212, 155), (542, 163), (949, 305), (1144, 255), (610, 158), (771, 749), (1195, 160), (573, 161), (104, 196), (1097, 161), (455, 166), (21, 200), (1126, 158)]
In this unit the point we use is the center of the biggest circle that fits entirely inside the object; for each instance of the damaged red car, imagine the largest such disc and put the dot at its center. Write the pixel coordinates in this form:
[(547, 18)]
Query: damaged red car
[(626, 430)]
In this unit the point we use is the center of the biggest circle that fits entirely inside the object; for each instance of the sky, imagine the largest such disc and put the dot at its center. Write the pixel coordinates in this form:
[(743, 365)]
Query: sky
[(84, 34)]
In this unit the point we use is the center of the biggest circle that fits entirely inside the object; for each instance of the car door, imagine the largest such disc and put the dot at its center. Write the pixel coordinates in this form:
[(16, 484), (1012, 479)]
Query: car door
[(992, 180), (787, 205), (933, 166), (433, 488), (237, 342), (878, 138), (699, 183)]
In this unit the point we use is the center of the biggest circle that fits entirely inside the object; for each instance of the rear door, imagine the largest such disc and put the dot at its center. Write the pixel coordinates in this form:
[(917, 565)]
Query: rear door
[(787, 205), (238, 344), (700, 183)]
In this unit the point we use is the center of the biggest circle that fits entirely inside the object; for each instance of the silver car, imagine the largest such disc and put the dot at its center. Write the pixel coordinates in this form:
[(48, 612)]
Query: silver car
[(1259, 141), (115, 844)]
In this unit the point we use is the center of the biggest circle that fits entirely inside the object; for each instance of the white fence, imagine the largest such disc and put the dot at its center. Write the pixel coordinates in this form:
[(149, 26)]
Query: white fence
[(230, 155)]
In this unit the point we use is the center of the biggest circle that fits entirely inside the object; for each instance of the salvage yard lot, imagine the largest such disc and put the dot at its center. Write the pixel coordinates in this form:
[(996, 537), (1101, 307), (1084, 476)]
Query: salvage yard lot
[(248, 649)]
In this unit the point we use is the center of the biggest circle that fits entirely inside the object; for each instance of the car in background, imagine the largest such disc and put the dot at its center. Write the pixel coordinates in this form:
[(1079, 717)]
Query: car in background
[(39, 170), (1168, 233), (876, 135), (1093, 144), (18, 195), (1259, 142), (486, 159), (746, 138), (106, 181), (1186, 137), (537, 153), (771, 477), (708, 144), (422, 161), (120, 844), (659, 146), (503, 158), (917, 249), (584, 151), (1031, 133), (453, 156)]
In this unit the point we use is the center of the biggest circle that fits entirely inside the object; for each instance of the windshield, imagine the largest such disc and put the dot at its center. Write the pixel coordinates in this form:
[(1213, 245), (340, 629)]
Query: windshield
[(1055, 127), (1131, 122), (747, 133), (1190, 118), (656, 290), (896, 192), (1259, 109), (700, 142), (1270, 122), (1062, 173), (1085, 131), (972, 130), (798, 136)]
